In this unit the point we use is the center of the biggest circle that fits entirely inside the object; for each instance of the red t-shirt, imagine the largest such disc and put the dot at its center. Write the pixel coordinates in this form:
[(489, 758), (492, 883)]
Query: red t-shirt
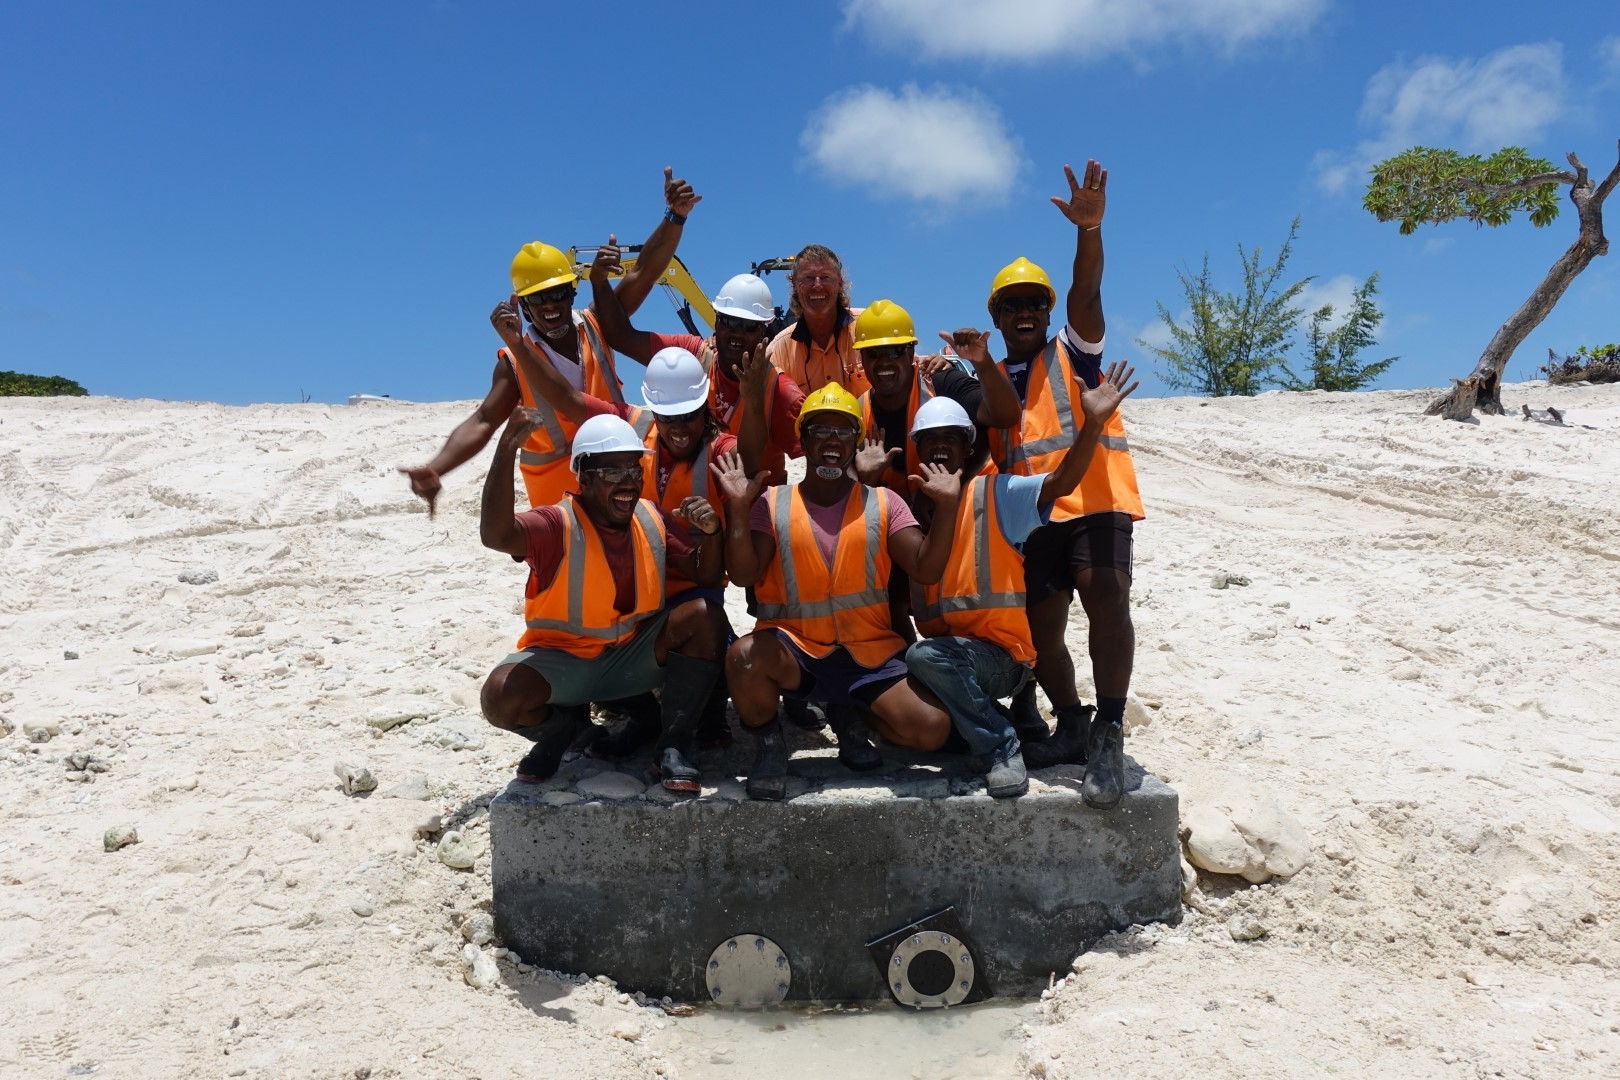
[(545, 531)]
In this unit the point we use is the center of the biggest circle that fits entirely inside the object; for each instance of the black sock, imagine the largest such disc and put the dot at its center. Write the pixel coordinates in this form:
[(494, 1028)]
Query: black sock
[(1111, 710)]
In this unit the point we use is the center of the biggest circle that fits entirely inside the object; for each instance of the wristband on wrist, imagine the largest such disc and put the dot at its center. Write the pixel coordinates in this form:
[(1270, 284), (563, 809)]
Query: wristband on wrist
[(673, 218)]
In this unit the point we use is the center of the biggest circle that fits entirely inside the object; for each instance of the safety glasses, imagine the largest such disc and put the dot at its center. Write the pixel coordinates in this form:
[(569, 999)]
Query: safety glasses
[(612, 474), (830, 431), (1018, 304), (559, 294), (737, 324), (693, 417), (880, 353)]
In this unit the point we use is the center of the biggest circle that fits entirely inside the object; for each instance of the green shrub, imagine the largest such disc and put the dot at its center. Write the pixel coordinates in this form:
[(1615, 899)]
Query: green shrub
[(1599, 365), (17, 384)]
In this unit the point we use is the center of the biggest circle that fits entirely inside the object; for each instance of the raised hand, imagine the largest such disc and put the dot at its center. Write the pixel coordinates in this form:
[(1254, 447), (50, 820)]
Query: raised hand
[(939, 484), (699, 514), (678, 194), (970, 344), (1100, 401), (520, 425), (606, 264), (754, 372), (424, 484), (931, 365), (1086, 202), (508, 323), (871, 459), (736, 488)]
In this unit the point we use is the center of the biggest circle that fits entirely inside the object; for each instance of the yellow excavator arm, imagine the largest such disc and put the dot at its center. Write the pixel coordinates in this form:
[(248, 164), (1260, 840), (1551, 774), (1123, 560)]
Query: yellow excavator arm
[(691, 303)]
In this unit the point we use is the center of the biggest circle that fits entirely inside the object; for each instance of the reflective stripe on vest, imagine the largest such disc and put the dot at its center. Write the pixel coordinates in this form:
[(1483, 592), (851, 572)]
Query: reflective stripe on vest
[(575, 554), (604, 360), (975, 608), (1109, 482)]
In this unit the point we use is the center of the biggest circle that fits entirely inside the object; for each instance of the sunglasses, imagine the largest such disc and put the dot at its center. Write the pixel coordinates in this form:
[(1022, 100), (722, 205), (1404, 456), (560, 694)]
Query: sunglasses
[(1017, 304), (737, 323), (612, 474), (879, 353), (692, 417), (560, 294), (831, 431)]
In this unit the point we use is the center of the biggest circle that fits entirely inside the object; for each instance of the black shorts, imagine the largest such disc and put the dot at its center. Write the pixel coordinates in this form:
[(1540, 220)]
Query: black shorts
[(838, 678), (1054, 554)]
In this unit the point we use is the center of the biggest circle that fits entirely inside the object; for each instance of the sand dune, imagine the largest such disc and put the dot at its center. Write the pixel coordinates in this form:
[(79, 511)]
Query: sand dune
[(1423, 670)]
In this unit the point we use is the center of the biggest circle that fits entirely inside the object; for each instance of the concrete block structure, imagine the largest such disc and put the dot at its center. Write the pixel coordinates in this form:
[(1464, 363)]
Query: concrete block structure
[(590, 876)]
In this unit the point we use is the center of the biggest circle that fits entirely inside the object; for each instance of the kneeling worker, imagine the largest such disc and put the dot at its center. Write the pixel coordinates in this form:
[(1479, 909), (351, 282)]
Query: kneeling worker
[(976, 645), (586, 641), (818, 554)]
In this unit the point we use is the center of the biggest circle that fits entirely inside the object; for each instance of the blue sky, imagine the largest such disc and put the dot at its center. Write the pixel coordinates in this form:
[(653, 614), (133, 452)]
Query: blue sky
[(243, 203)]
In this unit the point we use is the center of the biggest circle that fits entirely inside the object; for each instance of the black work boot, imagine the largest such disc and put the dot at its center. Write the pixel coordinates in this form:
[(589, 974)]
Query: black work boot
[(803, 714), (768, 778), (687, 681), (643, 721), (1025, 716), (550, 740), (714, 727), (1067, 746), (1105, 769), (855, 752)]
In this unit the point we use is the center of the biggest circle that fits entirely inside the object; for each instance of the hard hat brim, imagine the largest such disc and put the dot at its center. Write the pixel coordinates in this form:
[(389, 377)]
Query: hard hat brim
[(742, 313), (678, 408), (550, 283), (872, 343)]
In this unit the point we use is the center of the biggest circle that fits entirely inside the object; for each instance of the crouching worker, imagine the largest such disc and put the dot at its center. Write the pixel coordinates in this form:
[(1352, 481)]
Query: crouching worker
[(818, 554), (976, 645), (597, 625)]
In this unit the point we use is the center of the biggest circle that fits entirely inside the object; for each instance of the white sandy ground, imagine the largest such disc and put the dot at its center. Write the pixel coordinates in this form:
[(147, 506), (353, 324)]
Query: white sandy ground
[(1429, 652)]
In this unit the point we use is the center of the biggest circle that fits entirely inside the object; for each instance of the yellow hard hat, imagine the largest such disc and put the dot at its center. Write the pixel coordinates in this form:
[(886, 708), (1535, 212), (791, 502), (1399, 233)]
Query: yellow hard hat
[(539, 266), (831, 398), (884, 322), (1021, 272)]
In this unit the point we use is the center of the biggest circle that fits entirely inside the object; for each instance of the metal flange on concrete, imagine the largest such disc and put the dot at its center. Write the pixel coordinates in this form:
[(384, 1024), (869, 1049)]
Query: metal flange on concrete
[(930, 964), (748, 971)]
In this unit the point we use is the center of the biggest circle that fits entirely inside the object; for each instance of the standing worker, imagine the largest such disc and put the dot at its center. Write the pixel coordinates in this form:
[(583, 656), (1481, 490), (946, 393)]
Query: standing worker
[(544, 282), (1087, 547), (818, 346)]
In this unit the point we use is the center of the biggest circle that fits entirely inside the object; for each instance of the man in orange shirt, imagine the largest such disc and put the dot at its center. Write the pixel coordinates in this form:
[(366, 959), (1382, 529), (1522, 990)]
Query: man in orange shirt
[(818, 348)]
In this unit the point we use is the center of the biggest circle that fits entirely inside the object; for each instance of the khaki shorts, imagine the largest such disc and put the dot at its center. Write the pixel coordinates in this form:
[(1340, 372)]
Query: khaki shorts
[(617, 672)]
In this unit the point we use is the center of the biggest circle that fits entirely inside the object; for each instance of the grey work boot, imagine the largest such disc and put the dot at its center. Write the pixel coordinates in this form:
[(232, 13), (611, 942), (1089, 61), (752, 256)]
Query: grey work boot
[(1067, 746), (1007, 779), (1104, 785), (767, 780)]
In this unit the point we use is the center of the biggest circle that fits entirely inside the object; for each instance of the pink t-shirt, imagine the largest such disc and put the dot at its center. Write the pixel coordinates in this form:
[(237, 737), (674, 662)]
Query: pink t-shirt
[(824, 521)]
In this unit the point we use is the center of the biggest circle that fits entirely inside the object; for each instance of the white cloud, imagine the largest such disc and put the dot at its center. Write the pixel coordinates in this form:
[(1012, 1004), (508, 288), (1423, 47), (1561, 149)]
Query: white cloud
[(1034, 30), (1507, 98), (934, 146), (1340, 291), (1156, 335)]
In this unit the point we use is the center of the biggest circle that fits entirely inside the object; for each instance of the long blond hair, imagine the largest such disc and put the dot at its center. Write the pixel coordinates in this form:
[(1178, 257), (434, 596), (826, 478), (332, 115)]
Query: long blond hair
[(826, 254)]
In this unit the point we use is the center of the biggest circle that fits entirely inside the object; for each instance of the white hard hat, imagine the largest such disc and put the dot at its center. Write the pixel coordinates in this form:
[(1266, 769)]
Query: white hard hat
[(940, 412), (675, 383), (746, 297), (604, 433)]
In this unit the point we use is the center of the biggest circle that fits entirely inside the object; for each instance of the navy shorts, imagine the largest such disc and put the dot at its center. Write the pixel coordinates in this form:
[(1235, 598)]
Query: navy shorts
[(839, 679)]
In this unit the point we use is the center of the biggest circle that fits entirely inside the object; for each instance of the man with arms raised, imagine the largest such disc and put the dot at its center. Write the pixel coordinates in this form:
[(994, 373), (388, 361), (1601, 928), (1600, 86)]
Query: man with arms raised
[(1087, 547)]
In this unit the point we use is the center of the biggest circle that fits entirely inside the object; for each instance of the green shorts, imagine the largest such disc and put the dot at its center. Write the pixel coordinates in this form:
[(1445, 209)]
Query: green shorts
[(618, 671)]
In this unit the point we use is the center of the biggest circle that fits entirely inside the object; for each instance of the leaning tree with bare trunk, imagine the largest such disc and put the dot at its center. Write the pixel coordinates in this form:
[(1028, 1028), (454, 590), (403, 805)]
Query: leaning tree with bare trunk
[(1426, 185)]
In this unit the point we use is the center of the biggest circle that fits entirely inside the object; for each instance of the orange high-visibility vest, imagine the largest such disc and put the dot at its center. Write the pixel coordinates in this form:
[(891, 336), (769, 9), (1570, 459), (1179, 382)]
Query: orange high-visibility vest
[(982, 593), (894, 478), (1047, 431), (543, 461), (575, 612), (847, 604), (685, 478)]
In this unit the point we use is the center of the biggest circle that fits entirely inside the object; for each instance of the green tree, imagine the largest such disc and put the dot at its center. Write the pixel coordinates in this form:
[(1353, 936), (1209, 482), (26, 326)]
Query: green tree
[(17, 384), (1332, 353), (1424, 185), (1234, 342)]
